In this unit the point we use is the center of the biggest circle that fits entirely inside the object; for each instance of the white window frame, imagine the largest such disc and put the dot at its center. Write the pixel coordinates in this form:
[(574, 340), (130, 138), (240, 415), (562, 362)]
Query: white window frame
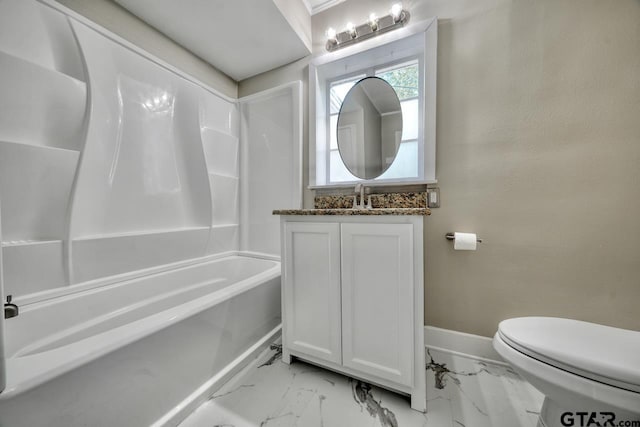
[(373, 72), (352, 76), (414, 42)]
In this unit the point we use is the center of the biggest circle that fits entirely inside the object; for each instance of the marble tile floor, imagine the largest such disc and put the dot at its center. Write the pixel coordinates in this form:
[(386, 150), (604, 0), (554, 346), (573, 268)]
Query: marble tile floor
[(461, 392)]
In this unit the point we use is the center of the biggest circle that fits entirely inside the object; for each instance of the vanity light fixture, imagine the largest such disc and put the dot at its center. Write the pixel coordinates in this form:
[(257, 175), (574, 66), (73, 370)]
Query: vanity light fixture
[(396, 18)]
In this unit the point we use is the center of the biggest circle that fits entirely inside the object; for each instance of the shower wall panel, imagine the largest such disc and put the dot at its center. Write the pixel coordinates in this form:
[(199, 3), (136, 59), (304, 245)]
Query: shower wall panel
[(110, 161), (271, 140), (43, 97)]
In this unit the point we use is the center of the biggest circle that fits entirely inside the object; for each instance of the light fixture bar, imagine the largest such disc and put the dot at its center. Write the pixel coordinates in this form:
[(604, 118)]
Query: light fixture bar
[(371, 28)]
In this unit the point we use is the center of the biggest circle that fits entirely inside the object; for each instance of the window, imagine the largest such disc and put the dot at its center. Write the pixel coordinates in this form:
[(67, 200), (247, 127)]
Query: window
[(337, 171), (408, 64)]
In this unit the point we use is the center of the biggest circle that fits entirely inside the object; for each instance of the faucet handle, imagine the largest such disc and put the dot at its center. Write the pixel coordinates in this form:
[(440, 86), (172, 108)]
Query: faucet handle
[(369, 205), (9, 298)]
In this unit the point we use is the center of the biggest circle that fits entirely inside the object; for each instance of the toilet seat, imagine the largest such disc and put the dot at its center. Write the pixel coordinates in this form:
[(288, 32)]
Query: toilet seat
[(600, 353)]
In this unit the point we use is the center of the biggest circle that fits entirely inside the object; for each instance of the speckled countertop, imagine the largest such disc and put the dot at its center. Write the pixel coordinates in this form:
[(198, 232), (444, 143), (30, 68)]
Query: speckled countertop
[(387, 200), (383, 204), (375, 211)]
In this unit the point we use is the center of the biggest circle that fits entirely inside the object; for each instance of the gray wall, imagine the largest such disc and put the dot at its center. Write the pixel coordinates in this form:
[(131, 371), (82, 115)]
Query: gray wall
[(118, 20), (538, 151)]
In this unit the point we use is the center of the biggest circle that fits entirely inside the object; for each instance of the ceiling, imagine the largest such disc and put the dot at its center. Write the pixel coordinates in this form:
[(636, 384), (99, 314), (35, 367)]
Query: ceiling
[(317, 6), (241, 38)]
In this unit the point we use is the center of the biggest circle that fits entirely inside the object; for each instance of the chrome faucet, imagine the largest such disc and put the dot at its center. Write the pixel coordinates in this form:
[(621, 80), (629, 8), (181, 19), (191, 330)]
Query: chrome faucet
[(10, 310), (359, 189)]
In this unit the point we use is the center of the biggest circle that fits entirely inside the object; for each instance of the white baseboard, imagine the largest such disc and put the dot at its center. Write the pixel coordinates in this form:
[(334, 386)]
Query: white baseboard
[(475, 346), (176, 415)]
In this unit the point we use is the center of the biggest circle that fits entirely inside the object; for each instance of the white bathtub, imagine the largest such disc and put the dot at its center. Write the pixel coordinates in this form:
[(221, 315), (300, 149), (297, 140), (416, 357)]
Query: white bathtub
[(136, 352)]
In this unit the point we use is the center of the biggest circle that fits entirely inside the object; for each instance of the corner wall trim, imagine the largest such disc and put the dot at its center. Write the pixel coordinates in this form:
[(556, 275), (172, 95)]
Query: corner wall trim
[(461, 343)]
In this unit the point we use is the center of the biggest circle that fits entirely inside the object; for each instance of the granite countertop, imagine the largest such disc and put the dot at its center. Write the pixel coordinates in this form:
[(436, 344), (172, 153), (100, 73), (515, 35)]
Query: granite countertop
[(351, 211)]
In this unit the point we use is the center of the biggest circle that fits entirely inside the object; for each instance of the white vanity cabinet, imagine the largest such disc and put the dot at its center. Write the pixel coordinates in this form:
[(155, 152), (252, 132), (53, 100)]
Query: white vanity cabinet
[(311, 294), (353, 297)]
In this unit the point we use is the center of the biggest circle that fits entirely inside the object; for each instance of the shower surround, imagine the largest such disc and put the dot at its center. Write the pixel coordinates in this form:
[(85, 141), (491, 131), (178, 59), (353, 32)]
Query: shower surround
[(120, 219)]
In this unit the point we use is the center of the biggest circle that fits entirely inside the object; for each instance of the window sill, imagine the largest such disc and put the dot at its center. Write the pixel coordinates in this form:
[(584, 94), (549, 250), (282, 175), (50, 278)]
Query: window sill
[(373, 183)]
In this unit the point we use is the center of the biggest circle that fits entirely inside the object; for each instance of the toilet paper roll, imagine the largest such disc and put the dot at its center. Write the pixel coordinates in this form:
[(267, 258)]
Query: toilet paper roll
[(465, 241)]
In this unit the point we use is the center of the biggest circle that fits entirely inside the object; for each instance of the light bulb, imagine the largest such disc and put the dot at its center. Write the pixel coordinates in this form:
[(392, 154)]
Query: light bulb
[(373, 21), (351, 29), (396, 11), (331, 35)]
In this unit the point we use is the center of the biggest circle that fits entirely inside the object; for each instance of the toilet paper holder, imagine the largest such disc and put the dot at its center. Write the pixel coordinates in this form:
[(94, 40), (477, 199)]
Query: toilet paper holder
[(451, 236)]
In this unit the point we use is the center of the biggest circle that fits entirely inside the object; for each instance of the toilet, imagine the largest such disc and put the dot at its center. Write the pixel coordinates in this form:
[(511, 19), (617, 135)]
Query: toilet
[(589, 373)]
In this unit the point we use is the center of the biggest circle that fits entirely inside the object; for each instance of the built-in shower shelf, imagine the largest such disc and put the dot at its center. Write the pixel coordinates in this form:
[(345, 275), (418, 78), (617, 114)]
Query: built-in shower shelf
[(216, 131), (221, 226), (35, 32), (71, 151), (140, 233), (14, 243), (213, 174), (100, 256), (40, 106), (43, 68)]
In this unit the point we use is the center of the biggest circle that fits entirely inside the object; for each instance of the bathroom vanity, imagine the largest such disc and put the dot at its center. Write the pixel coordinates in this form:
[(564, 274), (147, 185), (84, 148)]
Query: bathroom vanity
[(352, 273), (352, 297)]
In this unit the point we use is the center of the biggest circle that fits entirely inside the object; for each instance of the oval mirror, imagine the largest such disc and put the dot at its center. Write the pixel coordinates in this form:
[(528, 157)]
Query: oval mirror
[(369, 128)]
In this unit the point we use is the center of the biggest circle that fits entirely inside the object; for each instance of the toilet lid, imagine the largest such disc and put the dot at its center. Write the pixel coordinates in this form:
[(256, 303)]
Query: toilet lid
[(601, 353)]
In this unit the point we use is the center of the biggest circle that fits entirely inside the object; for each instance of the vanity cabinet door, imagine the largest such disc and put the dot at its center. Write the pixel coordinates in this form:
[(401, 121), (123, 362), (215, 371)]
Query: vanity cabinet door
[(311, 287), (377, 300)]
